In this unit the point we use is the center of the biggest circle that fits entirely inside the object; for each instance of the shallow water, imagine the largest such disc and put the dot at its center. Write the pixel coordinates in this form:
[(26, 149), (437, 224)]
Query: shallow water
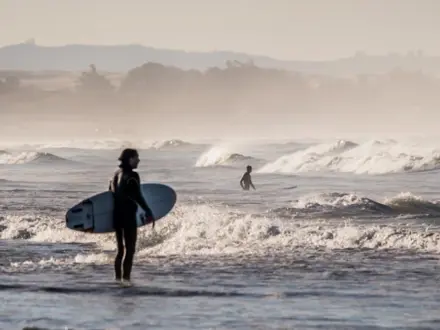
[(337, 235)]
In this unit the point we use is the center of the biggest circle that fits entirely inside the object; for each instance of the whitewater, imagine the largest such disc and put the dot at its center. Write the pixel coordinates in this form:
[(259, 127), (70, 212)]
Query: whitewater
[(340, 234)]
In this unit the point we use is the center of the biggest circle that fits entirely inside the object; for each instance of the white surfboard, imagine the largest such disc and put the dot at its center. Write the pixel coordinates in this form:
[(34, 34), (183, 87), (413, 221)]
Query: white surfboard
[(95, 214)]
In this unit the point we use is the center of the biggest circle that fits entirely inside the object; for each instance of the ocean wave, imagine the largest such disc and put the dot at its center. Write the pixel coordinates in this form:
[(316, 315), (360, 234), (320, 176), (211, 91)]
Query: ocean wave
[(170, 144), (106, 144), (206, 230), (351, 205), (32, 157), (374, 157), (221, 156), (407, 203)]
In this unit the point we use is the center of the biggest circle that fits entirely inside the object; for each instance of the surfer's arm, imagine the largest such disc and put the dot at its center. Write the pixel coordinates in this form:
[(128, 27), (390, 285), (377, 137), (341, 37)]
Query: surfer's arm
[(251, 183), (134, 183), (241, 181), (114, 181)]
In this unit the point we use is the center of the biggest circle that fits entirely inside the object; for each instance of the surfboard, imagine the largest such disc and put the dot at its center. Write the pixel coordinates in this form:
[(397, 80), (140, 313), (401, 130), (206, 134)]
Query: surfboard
[(95, 214)]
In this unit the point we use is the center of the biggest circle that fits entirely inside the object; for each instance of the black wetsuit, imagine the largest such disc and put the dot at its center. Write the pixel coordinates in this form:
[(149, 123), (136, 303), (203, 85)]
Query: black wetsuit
[(126, 188)]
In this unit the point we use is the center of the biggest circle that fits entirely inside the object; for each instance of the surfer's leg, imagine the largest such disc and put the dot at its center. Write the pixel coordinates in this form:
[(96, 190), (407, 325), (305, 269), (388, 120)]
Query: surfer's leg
[(130, 236), (120, 254)]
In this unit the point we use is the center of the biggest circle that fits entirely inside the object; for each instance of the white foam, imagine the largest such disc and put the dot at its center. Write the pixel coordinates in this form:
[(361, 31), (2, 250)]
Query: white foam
[(374, 157), (43, 263), (208, 230), (48, 229), (21, 158), (93, 258), (334, 200), (222, 154), (214, 156), (404, 197), (51, 263), (101, 144), (174, 143), (203, 230), (104, 144)]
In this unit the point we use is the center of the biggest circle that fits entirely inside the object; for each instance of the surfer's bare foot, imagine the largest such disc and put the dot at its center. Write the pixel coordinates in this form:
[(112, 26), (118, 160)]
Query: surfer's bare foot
[(126, 283)]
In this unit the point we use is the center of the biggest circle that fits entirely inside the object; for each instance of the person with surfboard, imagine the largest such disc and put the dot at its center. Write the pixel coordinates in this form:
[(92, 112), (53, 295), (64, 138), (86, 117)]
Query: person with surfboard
[(246, 180), (126, 189)]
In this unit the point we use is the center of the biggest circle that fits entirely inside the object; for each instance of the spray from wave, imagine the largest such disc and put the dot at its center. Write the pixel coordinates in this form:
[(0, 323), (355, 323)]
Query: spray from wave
[(346, 205), (222, 156), (32, 157), (202, 229), (170, 144), (374, 157), (104, 144)]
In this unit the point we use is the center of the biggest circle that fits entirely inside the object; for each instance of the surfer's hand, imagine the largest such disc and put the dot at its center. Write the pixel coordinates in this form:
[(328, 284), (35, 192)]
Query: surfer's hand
[(150, 218)]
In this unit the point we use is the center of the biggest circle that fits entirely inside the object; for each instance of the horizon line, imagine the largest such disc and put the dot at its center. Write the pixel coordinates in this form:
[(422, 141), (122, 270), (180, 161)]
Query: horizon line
[(358, 53)]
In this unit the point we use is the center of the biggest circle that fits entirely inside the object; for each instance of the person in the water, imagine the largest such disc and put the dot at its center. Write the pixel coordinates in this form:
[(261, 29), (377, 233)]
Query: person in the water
[(246, 180), (126, 189)]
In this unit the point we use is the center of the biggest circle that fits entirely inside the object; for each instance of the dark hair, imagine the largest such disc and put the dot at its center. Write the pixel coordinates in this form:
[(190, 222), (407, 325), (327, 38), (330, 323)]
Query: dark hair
[(126, 154)]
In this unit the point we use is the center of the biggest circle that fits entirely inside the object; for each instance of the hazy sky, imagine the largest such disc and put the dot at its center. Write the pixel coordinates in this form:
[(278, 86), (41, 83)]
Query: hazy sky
[(286, 29)]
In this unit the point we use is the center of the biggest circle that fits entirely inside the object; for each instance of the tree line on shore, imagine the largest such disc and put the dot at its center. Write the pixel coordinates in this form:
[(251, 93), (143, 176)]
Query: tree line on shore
[(242, 84)]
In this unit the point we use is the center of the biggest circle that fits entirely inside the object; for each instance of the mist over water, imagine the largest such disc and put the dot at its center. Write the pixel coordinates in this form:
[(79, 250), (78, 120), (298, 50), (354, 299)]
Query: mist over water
[(357, 213), (341, 232)]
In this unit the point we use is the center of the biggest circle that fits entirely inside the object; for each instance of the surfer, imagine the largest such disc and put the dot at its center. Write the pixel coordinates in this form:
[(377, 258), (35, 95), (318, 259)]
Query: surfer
[(246, 180), (126, 188)]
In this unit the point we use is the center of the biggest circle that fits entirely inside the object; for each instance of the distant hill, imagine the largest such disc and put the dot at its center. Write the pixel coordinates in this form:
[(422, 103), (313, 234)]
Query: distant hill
[(121, 58)]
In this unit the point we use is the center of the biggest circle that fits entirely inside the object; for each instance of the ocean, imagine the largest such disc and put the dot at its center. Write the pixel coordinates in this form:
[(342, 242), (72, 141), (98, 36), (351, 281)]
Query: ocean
[(339, 234)]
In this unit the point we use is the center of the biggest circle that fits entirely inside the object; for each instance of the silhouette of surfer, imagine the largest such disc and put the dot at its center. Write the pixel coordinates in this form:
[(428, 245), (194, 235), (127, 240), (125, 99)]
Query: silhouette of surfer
[(126, 189), (246, 180)]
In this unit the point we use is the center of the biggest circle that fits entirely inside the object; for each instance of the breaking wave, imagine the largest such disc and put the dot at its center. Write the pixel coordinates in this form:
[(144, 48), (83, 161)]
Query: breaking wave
[(374, 157), (217, 156), (338, 205), (32, 157), (105, 144), (170, 144), (205, 230)]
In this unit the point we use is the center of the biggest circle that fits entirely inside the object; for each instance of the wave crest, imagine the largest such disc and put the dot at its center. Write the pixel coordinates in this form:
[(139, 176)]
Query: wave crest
[(221, 156), (31, 157), (374, 157), (211, 231), (337, 205), (168, 144), (206, 230)]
